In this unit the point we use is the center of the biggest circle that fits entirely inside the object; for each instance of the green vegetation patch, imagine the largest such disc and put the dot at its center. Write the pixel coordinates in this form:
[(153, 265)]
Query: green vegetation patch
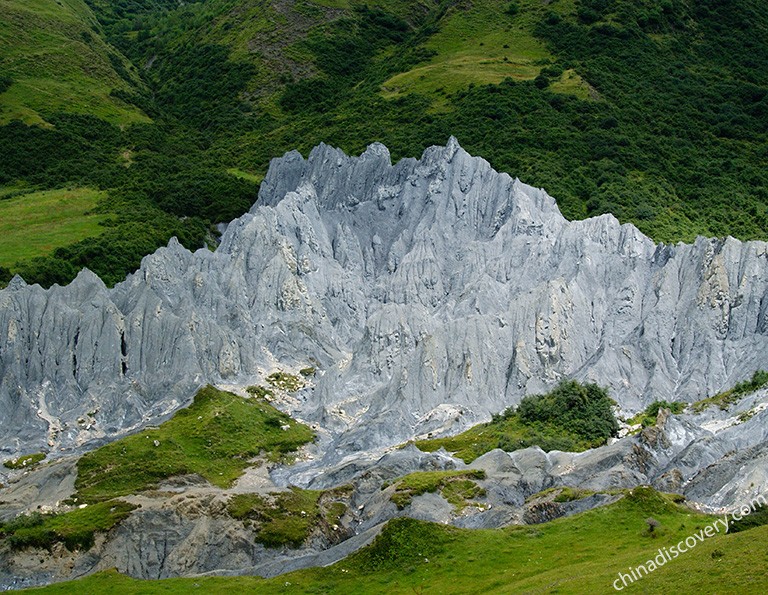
[(288, 518), (572, 417), (260, 392), (75, 529), (155, 184), (646, 110), (568, 494), (25, 462), (252, 177), (216, 437), (37, 223), (727, 398), (55, 60), (456, 487), (285, 381), (475, 44), (562, 494), (570, 83), (401, 544), (650, 414), (757, 518), (280, 519)]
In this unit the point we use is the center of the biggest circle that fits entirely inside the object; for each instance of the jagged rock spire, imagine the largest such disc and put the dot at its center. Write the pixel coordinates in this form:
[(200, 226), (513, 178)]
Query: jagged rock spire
[(419, 288)]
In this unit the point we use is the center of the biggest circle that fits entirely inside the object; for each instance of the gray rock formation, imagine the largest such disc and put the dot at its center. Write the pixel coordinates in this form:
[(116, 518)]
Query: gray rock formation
[(428, 294)]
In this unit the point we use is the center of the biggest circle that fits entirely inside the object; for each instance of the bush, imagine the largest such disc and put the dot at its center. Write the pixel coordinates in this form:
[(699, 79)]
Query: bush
[(585, 411), (5, 277), (757, 518), (573, 417)]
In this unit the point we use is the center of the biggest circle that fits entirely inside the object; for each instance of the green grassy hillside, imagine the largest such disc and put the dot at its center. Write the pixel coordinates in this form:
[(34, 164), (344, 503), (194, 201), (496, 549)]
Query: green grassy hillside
[(484, 45), (37, 223), (656, 111), (215, 437), (53, 59), (579, 554)]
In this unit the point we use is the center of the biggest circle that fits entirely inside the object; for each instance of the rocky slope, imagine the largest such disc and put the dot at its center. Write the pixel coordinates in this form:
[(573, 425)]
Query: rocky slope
[(715, 458), (428, 294)]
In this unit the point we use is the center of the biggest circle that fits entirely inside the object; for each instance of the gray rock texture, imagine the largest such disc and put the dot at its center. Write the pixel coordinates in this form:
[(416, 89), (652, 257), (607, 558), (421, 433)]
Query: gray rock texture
[(428, 294)]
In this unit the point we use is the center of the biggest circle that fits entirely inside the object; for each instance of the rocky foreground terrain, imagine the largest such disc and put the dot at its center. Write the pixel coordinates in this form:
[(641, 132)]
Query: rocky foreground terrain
[(424, 296), (716, 459)]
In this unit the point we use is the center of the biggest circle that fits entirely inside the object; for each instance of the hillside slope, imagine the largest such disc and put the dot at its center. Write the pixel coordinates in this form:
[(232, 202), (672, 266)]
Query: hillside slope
[(584, 553), (653, 111), (177, 504), (53, 59)]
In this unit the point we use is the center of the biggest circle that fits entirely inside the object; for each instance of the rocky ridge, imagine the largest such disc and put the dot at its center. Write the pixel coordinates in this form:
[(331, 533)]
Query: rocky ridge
[(429, 294), (425, 296)]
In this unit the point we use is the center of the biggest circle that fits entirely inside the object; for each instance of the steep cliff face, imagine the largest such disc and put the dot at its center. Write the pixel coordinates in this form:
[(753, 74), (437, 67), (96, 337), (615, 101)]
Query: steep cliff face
[(428, 294)]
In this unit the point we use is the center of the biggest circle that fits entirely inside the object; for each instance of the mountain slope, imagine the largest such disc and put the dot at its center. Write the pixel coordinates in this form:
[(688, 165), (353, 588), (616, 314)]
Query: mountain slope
[(584, 553), (621, 107), (53, 59), (189, 526)]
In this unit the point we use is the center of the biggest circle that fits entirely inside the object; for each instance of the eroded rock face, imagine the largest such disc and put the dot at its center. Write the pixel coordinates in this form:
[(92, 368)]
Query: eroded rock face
[(429, 294)]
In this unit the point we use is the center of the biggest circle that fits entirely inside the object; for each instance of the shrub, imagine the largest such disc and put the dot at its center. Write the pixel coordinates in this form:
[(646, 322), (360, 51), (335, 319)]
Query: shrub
[(585, 411), (757, 518), (650, 414), (573, 417)]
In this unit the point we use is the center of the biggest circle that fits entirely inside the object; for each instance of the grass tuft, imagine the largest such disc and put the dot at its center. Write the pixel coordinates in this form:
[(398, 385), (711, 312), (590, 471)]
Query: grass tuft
[(75, 529), (284, 381), (25, 462), (456, 487), (287, 519)]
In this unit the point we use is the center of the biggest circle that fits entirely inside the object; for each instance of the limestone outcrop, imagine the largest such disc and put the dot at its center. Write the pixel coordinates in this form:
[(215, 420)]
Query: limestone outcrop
[(428, 294)]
